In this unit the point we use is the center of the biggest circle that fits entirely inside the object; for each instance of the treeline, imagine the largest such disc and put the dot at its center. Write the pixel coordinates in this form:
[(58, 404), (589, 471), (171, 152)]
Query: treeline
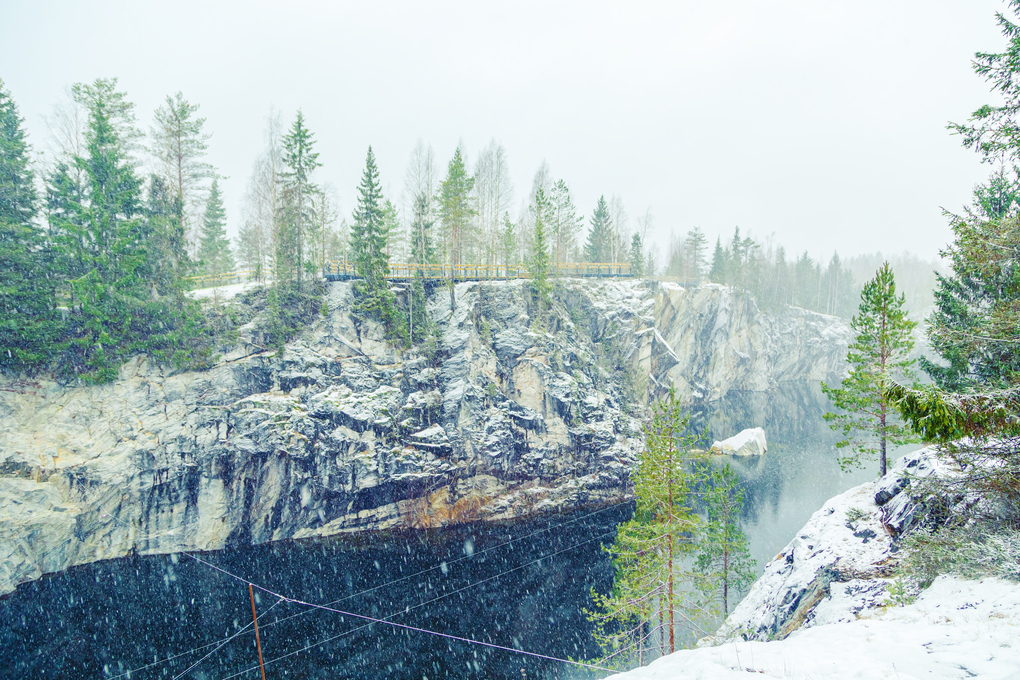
[(453, 216), (96, 247), (764, 270), (91, 267)]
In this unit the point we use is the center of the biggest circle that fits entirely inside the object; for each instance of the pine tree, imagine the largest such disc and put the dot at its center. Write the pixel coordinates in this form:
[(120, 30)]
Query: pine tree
[(650, 550), (878, 358), (30, 326), (214, 253), (724, 561), (564, 222), (299, 161), (991, 129), (178, 143), (695, 245), (599, 244)]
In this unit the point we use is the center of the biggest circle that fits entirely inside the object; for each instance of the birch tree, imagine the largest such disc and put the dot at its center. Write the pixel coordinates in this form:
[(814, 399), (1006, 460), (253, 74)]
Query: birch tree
[(261, 204), (494, 193)]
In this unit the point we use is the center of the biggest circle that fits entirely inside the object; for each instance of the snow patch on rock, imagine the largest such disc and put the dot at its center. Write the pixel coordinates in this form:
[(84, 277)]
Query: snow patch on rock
[(955, 629)]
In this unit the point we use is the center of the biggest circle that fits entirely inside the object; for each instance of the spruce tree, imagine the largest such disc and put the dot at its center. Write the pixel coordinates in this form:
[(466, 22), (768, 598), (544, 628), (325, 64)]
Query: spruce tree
[(121, 300), (878, 358), (214, 254), (30, 326), (299, 161), (422, 254), (637, 258), (508, 243), (719, 269), (456, 207), (165, 255), (974, 325), (111, 241), (423, 251), (539, 260), (368, 249), (599, 244)]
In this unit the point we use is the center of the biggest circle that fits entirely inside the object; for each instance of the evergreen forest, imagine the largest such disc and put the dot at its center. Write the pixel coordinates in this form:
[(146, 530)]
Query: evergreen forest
[(104, 235)]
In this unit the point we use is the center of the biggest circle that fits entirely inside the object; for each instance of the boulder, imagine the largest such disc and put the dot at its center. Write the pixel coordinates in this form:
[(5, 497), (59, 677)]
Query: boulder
[(750, 442)]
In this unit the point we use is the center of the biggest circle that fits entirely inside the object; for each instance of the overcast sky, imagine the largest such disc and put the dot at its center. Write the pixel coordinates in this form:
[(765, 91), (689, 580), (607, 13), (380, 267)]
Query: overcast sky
[(821, 122)]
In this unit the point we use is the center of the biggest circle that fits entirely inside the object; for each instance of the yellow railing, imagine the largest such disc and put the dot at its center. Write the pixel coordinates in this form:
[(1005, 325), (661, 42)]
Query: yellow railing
[(338, 270), (341, 269), (215, 280)]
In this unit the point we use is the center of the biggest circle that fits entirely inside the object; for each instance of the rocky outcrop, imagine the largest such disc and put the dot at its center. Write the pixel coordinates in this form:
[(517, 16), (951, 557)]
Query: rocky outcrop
[(827, 605), (343, 431), (841, 562)]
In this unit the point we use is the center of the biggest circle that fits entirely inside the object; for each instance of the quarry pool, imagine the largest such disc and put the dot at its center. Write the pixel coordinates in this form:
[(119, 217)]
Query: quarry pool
[(520, 585)]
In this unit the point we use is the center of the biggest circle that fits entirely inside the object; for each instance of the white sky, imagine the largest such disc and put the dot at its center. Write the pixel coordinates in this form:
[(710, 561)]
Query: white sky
[(822, 122)]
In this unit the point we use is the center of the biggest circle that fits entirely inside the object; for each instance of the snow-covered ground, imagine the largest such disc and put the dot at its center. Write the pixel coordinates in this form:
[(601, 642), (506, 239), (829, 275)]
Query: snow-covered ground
[(221, 293), (823, 609), (956, 629)]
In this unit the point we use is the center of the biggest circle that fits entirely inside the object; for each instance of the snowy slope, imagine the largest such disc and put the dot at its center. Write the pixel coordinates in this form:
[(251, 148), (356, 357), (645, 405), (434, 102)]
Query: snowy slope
[(956, 629), (822, 608)]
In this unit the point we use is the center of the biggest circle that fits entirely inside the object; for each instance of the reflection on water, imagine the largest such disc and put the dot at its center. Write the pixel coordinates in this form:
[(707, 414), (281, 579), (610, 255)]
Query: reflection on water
[(801, 469), (102, 620)]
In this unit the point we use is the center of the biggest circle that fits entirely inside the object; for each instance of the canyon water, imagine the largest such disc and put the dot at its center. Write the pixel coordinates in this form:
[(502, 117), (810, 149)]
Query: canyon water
[(519, 585)]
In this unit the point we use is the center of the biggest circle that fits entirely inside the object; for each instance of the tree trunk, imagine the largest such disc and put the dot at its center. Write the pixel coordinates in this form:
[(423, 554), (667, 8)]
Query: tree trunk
[(672, 641)]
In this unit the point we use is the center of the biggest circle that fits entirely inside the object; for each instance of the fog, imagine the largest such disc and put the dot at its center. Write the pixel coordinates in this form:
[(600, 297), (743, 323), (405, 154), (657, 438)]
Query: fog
[(823, 123)]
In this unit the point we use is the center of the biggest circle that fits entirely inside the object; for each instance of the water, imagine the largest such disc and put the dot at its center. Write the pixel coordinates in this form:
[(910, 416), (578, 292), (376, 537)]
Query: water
[(801, 470), (529, 582)]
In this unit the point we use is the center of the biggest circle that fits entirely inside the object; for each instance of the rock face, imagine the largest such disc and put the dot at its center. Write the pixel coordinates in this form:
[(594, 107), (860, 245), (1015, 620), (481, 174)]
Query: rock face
[(750, 442), (840, 563), (343, 431)]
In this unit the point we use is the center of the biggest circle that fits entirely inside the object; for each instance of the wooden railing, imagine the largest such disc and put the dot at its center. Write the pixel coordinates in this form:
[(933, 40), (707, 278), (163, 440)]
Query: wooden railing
[(341, 270), (216, 280)]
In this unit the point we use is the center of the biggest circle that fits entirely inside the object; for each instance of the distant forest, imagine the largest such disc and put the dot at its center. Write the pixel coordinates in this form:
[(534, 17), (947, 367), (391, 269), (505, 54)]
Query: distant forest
[(97, 241)]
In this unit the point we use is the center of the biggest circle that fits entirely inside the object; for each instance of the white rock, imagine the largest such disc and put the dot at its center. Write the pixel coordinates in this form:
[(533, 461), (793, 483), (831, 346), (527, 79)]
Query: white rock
[(750, 442)]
